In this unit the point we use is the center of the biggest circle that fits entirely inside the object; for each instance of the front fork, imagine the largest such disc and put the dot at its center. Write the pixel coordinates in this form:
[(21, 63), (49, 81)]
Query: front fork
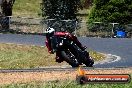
[(76, 52)]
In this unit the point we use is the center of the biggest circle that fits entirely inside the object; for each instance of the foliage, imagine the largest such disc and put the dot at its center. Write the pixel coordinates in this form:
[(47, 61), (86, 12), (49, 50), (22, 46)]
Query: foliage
[(86, 3), (6, 10), (60, 9), (111, 11)]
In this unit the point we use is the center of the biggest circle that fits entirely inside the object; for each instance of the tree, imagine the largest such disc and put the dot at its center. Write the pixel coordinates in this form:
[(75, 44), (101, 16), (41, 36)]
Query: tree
[(6, 6), (117, 11), (61, 10), (86, 3)]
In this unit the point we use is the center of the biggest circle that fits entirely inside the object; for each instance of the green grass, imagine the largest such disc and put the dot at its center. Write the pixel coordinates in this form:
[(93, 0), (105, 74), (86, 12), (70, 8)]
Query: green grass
[(25, 56), (28, 8), (97, 56), (65, 84)]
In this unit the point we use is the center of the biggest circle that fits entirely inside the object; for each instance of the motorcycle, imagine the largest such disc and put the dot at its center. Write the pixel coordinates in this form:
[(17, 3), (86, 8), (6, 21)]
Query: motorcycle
[(68, 50)]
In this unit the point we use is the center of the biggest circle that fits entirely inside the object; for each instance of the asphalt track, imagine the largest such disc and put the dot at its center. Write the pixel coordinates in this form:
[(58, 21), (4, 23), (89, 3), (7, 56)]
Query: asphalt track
[(120, 49)]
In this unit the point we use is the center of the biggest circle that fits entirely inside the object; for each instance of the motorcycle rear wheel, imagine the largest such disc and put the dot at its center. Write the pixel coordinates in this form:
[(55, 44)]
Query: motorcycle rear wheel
[(70, 60)]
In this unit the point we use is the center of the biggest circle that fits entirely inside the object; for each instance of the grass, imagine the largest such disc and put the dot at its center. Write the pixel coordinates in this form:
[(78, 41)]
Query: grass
[(65, 84), (97, 56), (28, 8), (24, 56), (14, 56)]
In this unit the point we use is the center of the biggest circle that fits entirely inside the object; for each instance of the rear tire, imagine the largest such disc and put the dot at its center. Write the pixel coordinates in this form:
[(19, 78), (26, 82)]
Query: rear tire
[(70, 60)]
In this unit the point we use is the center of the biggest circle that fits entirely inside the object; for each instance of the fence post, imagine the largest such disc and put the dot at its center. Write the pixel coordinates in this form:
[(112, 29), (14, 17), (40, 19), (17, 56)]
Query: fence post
[(76, 29), (9, 21), (112, 31)]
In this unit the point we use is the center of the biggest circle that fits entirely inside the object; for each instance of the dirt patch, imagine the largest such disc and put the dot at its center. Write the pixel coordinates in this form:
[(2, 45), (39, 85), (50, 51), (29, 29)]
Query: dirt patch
[(24, 77)]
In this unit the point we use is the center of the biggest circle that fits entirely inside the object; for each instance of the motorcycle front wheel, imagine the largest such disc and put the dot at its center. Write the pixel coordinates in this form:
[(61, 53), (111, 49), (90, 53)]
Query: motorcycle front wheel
[(87, 60), (82, 56)]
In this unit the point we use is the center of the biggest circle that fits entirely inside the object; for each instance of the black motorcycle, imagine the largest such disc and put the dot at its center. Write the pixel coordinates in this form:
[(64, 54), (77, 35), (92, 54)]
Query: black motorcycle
[(69, 51)]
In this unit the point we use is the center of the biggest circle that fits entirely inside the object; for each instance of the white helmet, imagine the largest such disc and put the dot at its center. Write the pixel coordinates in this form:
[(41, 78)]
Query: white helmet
[(50, 30)]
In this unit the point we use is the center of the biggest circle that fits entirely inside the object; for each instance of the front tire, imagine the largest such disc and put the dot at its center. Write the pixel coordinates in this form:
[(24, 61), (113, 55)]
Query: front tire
[(89, 63), (87, 60), (82, 56)]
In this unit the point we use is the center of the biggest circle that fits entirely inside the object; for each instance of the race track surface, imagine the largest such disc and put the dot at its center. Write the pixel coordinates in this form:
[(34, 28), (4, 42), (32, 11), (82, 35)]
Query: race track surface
[(120, 48)]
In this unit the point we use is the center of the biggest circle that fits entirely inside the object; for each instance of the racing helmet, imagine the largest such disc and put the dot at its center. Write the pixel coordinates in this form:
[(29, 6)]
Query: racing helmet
[(50, 30)]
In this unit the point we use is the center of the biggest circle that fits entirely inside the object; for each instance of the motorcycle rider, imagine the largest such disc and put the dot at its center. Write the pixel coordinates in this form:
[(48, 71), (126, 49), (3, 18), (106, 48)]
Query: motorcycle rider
[(50, 32)]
